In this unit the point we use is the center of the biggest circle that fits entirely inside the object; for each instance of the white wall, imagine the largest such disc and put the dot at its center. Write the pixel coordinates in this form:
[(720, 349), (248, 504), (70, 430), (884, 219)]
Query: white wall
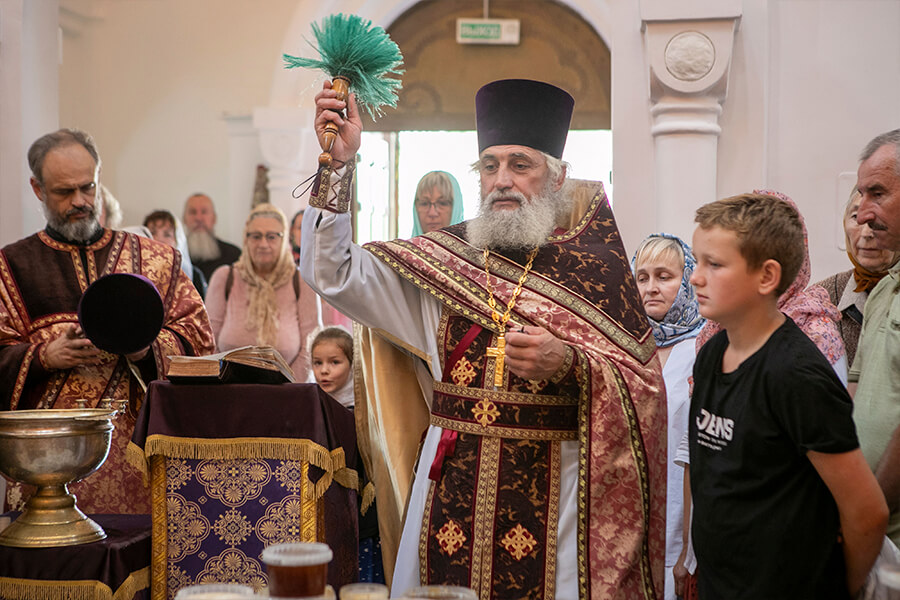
[(810, 83), (834, 84), (29, 105), (153, 82)]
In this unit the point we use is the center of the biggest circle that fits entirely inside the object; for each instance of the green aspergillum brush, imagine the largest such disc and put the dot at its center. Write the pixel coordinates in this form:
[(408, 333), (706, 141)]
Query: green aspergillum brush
[(356, 54)]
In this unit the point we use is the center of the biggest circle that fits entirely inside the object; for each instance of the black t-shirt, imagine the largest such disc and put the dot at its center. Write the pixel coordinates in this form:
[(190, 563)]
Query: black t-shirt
[(765, 524)]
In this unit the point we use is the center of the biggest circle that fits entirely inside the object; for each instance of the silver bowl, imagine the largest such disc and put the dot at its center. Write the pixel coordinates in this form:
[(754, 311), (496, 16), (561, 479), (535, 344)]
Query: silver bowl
[(51, 449)]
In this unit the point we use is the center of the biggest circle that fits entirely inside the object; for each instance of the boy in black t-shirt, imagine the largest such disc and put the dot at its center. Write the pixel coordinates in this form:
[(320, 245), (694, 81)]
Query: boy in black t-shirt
[(776, 472)]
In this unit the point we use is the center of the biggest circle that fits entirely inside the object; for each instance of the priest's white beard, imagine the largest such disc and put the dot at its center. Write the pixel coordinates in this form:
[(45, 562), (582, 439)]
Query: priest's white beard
[(202, 245), (524, 227), (80, 231)]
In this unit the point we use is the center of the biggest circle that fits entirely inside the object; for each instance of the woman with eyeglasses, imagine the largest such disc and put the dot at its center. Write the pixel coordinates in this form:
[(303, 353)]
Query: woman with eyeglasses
[(260, 299), (438, 203)]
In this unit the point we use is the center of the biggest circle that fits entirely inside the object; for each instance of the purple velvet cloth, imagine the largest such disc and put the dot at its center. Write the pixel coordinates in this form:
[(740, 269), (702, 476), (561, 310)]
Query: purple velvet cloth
[(125, 550), (234, 508)]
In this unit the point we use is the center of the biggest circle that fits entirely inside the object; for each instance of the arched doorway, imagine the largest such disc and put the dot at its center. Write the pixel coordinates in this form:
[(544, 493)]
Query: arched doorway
[(432, 126)]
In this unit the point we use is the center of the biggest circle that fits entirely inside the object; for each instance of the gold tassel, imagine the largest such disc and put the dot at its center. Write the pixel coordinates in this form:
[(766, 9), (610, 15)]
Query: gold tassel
[(135, 457), (347, 478), (368, 497)]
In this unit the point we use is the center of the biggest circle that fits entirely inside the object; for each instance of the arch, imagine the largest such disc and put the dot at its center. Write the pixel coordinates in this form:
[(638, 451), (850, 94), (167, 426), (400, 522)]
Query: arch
[(556, 46), (293, 88)]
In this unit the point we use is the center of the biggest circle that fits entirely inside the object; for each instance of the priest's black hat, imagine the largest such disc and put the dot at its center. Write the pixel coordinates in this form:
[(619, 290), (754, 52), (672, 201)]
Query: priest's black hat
[(523, 112), (121, 313)]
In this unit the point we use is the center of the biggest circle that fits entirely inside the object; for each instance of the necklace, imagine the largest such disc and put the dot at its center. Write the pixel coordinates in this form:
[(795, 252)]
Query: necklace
[(498, 352)]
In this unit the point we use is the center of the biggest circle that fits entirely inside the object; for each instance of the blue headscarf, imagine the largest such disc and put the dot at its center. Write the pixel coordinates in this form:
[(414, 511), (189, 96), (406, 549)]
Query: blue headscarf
[(683, 320), (455, 217)]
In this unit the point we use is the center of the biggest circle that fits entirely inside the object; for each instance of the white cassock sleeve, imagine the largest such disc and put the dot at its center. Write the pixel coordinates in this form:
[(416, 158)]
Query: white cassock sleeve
[(363, 287)]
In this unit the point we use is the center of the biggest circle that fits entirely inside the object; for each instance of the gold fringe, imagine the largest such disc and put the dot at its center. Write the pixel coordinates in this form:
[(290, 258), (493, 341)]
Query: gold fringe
[(137, 581), (134, 456), (35, 589), (235, 448), (368, 497)]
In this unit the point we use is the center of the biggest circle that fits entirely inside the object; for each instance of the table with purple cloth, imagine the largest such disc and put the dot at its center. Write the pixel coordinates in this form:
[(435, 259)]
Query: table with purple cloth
[(236, 468), (116, 568)]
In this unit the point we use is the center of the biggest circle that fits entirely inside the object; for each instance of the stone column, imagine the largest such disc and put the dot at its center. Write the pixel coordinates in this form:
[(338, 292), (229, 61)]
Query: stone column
[(689, 60)]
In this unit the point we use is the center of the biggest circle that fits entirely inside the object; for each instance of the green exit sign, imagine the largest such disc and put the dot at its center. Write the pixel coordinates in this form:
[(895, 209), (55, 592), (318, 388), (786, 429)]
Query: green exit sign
[(487, 31)]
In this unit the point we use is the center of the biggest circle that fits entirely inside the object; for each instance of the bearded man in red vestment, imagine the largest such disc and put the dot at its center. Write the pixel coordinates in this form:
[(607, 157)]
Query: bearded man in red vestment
[(542, 473), (45, 359)]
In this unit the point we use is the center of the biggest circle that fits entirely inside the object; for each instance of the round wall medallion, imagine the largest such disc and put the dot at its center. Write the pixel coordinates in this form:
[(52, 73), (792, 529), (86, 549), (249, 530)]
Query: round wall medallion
[(690, 55)]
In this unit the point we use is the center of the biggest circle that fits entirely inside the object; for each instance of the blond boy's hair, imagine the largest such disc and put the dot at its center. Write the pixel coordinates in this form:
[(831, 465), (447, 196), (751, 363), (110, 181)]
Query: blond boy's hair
[(659, 249), (766, 228)]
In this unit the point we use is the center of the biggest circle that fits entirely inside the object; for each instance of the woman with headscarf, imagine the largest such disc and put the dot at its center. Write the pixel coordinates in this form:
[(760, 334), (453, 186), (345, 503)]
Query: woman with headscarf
[(850, 289), (438, 203), (260, 299), (662, 266), (809, 307), (166, 228)]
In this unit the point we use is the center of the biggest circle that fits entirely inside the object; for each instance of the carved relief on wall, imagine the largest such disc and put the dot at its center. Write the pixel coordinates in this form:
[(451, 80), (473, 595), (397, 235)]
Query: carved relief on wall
[(556, 46)]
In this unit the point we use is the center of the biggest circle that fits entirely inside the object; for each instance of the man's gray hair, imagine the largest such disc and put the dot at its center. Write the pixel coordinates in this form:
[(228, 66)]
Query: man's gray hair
[(63, 137), (889, 138), (556, 167)]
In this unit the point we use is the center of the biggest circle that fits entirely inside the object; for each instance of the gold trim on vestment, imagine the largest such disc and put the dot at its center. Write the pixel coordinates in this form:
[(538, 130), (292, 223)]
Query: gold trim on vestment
[(501, 396), (552, 521), (641, 467), (443, 326), (426, 285), (501, 432), (48, 320), (563, 371), (9, 295), (510, 270), (485, 504), (425, 531), (582, 373), (21, 377)]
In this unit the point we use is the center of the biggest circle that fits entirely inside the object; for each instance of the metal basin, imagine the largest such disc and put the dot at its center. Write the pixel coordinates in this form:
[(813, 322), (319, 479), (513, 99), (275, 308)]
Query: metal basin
[(51, 449)]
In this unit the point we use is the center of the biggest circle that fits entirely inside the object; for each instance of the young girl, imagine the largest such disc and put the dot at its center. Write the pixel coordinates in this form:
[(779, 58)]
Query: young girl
[(331, 352), (663, 265)]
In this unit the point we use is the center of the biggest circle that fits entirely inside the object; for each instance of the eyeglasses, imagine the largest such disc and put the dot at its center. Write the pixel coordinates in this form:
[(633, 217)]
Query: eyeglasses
[(439, 204), (271, 237)]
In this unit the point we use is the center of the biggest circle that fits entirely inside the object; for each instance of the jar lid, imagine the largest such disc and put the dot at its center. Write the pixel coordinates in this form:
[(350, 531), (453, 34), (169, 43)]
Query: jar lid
[(297, 554), (364, 591), (214, 591)]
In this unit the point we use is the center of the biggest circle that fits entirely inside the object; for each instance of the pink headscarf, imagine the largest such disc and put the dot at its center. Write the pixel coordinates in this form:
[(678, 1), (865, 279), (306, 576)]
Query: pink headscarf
[(810, 308)]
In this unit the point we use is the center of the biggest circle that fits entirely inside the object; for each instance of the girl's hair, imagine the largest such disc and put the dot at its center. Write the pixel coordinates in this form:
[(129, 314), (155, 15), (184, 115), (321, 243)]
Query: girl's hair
[(336, 334)]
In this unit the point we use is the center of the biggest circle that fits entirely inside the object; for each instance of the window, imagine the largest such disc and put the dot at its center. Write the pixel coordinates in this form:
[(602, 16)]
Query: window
[(391, 165)]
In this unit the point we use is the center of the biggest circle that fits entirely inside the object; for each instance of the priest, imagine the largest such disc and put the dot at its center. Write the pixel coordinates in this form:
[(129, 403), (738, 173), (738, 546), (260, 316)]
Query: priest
[(46, 361), (542, 472)]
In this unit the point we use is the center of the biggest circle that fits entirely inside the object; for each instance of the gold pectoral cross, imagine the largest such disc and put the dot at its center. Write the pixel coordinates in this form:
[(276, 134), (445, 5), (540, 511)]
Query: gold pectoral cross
[(498, 353)]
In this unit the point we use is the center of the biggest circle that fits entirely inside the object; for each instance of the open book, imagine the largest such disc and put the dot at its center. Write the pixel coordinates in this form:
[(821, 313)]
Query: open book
[(248, 364)]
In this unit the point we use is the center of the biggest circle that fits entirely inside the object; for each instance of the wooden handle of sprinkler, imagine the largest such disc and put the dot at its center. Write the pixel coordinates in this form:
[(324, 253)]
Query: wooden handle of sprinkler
[(341, 85)]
